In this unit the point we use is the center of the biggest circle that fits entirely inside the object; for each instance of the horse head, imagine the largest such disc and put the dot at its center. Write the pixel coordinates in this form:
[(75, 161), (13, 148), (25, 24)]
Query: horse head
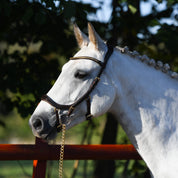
[(83, 89)]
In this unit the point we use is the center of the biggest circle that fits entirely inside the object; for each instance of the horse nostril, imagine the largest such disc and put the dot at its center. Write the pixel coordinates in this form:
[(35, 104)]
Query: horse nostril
[(38, 124)]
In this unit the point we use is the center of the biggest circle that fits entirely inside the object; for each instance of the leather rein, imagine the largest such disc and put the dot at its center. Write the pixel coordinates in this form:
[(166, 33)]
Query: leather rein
[(85, 97)]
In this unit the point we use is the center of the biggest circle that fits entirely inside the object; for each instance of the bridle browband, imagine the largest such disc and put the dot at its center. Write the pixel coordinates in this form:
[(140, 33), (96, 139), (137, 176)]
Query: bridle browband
[(86, 96)]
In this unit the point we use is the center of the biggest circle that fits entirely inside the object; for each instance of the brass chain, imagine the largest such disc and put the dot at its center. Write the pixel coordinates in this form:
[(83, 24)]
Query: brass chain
[(62, 151)]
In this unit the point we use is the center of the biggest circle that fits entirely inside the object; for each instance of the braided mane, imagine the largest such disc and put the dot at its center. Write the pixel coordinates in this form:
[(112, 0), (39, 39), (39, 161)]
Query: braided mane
[(150, 62)]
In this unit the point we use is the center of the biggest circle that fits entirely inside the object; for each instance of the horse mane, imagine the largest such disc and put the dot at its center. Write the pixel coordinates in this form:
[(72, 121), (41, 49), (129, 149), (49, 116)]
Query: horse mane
[(150, 62)]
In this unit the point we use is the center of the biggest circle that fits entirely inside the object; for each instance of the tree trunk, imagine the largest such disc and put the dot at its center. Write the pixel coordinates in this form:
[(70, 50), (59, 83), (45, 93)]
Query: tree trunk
[(106, 168)]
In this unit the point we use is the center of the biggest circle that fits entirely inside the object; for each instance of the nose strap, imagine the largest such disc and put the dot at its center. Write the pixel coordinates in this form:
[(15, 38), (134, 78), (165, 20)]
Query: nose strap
[(70, 108), (58, 121)]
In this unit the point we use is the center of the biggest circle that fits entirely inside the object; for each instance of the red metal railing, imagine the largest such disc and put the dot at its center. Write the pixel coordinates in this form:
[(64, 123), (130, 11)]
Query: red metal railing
[(41, 152)]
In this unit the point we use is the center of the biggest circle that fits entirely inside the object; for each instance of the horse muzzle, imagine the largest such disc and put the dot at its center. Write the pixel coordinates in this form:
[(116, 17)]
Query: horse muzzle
[(43, 127)]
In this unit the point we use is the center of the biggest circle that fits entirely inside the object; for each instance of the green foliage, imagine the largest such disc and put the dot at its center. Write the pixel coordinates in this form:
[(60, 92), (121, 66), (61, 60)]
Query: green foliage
[(16, 129), (132, 9), (27, 74), (10, 169)]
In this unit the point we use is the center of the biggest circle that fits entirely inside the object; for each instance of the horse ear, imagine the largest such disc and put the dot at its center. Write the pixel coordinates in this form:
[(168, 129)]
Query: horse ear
[(81, 38), (95, 38)]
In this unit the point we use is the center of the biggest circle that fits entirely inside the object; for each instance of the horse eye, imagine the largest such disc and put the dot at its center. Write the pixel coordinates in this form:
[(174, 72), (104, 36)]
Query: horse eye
[(80, 74)]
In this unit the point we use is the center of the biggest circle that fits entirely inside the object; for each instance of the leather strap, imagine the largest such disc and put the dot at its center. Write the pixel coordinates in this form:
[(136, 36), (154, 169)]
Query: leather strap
[(53, 103), (88, 58), (88, 115)]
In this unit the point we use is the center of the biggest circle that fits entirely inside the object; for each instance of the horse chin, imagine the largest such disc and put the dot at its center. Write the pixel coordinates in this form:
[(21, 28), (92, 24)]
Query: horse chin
[(73, 121), (51, 135)]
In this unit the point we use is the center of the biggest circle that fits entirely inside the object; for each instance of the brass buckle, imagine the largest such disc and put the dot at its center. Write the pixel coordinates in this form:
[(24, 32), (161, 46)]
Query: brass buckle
[(71, 109), (89, 116)]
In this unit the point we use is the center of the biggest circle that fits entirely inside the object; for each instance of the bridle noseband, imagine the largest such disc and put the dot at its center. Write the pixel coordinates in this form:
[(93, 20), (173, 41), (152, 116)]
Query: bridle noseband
[(86, 96)]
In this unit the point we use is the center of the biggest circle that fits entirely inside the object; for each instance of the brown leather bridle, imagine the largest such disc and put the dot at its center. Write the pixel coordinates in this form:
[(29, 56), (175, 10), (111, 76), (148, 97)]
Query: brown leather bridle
[(86, 96)]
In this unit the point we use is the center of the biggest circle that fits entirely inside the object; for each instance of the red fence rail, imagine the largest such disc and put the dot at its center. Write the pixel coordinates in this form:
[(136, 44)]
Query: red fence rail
[(41, 152)]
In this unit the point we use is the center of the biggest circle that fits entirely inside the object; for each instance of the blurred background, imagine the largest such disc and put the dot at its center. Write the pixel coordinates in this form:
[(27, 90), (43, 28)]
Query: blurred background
[(36, 39)]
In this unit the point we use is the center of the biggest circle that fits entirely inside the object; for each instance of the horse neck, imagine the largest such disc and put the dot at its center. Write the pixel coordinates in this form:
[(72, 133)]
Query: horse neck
[(145, 105)]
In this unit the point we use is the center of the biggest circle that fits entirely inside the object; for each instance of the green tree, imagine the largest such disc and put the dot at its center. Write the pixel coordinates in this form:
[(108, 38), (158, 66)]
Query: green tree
[(36, 38)]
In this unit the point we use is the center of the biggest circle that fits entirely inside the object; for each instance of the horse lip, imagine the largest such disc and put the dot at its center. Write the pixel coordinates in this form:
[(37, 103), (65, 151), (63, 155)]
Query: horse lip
[(49, 132), (51, 135)]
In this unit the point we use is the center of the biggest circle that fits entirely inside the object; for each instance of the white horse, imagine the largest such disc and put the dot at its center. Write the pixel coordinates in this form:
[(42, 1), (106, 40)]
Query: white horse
[(141, 93)]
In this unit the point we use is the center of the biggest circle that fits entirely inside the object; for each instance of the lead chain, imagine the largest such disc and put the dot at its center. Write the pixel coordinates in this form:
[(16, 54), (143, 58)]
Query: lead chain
[(62, 151)]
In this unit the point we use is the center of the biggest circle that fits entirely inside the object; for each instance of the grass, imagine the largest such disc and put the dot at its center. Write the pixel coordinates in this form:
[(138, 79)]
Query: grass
[(16, 129), (24, 169), (13, 169)]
